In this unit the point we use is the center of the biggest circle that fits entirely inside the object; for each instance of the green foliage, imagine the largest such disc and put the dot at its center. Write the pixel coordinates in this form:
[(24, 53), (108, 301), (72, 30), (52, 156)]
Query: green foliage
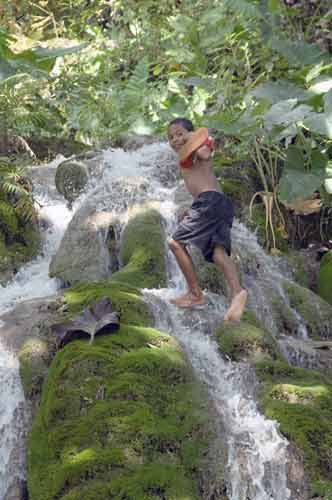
[(16, 193), (250, 69)]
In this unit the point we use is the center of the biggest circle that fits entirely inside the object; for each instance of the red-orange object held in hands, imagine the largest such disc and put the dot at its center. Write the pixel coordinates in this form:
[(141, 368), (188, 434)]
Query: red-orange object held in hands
[(195, 140)]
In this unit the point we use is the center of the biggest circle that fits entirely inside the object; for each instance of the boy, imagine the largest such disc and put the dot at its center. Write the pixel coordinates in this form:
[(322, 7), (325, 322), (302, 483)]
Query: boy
[(207, 224)]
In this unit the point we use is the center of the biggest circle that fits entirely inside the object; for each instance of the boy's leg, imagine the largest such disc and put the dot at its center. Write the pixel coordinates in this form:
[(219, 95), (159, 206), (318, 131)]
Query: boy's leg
[(194, 296), (238, 294)]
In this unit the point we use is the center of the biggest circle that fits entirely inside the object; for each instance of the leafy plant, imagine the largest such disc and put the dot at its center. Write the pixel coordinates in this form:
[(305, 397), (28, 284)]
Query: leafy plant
[(15, 191)]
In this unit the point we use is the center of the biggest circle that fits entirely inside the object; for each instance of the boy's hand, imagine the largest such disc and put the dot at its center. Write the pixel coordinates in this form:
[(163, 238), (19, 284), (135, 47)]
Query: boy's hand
[(203, 153), (194, 141)]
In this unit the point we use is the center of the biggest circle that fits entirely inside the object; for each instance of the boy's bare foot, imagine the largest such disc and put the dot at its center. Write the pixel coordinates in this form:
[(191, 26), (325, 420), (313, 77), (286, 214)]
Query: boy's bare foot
[(189, 300), (237, 306)]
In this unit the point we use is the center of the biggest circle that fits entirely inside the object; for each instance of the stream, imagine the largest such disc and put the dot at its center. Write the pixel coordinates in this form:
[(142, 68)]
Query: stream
[(256, 452)]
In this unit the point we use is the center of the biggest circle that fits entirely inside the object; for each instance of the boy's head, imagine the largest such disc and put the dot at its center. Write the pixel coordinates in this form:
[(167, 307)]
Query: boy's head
[(178, 132)]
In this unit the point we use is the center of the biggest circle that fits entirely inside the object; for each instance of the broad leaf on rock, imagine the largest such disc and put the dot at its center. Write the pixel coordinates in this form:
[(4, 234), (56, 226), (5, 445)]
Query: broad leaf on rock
[(96, 319)]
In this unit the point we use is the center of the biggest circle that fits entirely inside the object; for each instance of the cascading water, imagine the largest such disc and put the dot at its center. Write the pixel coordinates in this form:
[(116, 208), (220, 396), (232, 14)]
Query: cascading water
[(31, 282), (257, 454)]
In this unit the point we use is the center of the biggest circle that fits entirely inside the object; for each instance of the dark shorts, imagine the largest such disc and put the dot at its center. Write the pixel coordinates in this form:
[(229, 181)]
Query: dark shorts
[(208, 223)]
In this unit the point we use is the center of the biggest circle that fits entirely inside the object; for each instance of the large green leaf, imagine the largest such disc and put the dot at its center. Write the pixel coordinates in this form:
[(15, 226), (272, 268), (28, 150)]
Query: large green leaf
[(279, 91), (244, 8), (295, 159), (321, 85), (298, 53), (296, 184), (286, 112), (319, 123)]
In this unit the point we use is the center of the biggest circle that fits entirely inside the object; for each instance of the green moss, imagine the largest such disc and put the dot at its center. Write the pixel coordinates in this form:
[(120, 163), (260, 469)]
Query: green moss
[(298, 263), (126, 300), (143, 252), (122, 417), (316, 312), (34, 361), (246, 341), (323, 489), (325, 278), (301, 401)]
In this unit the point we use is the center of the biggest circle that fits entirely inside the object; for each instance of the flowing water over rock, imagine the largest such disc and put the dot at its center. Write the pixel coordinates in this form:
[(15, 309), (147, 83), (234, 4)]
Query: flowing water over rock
[(31, 281), (257, 454)]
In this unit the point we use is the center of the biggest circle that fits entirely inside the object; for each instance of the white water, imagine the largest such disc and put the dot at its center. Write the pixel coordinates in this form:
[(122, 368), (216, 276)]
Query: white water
[(31, 282), (256, 452)]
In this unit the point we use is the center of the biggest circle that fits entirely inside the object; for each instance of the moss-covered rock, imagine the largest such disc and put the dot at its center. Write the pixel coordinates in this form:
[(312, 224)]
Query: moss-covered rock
[(246, 340), (121, 418), (325, 278), (70, 179), (316, 312), (143, 251), (126, 299), (299, 267), (209, 276), (301, 401)]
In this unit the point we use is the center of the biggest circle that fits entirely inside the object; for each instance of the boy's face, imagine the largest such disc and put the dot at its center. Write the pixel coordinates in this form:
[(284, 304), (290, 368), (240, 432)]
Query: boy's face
[(177, 136)]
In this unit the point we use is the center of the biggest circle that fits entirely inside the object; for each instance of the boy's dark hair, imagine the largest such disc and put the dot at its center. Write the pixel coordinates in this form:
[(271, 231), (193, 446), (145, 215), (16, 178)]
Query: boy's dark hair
[(187, 124)]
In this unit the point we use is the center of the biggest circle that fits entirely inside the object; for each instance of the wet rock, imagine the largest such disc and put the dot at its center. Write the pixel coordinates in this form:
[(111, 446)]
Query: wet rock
[(301, 401), (71, 179), (246, 340), (17, 491), (83, 253), (26, 331), (316, 355), (315, 311), (133, 142)]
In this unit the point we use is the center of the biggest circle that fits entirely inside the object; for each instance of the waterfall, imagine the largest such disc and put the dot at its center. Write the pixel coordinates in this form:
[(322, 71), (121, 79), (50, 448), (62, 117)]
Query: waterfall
[(257, 454), (31, 281)]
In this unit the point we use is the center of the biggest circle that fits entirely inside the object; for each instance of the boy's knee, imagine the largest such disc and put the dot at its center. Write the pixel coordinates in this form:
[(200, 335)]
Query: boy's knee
[(173, 245), (219, 253)]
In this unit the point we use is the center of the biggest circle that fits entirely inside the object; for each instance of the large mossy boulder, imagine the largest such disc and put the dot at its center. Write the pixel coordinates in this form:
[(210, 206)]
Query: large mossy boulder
[(325, 278), (142, 251), (71, 178), (301, 401), (120, 418)]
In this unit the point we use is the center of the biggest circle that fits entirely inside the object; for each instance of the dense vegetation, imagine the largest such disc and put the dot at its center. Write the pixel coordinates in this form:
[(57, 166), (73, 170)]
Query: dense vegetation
[(259, 72)]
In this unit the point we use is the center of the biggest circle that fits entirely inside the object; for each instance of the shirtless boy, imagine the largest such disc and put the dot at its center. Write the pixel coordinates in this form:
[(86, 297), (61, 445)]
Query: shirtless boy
[(207, 224)]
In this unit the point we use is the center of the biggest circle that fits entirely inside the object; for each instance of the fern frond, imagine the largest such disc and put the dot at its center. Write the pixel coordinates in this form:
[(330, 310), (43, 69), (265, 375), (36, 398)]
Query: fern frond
[(25, 209)]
